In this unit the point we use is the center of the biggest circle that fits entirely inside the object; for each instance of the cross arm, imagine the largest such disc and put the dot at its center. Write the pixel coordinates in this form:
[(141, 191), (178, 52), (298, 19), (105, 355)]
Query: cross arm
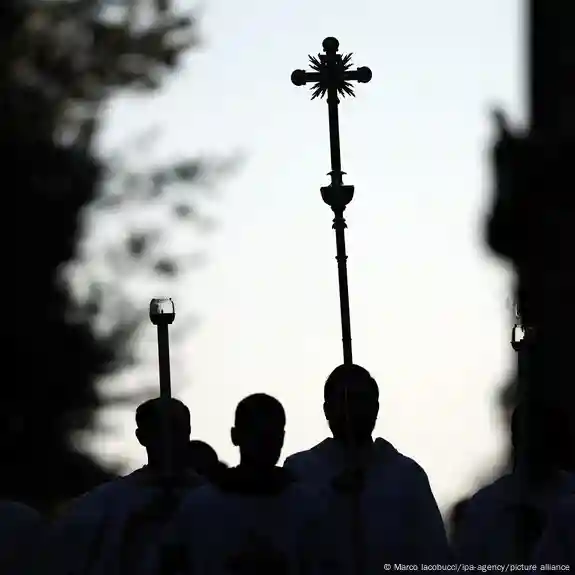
[(362, 75), (301, 77)]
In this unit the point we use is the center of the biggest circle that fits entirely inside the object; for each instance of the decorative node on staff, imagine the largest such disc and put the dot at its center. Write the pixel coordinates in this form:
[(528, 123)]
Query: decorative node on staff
[(337, 197)]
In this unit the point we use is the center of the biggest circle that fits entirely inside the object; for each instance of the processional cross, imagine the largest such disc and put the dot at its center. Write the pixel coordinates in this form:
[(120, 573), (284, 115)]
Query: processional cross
[(332, 75)]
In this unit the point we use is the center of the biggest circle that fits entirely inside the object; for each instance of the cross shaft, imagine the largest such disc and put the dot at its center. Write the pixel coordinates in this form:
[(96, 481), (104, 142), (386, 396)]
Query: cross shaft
[(332, 76)]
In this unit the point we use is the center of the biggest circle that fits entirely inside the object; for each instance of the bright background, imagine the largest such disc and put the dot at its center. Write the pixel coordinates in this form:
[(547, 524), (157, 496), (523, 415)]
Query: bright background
[(428, 303)]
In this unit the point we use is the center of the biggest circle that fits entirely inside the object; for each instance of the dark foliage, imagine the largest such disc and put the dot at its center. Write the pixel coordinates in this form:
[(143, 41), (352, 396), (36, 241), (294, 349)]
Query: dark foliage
[(531, 226), (51, 361), (51, 357)]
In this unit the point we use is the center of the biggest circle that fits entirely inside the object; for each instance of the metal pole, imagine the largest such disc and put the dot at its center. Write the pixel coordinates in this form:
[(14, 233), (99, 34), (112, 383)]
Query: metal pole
[(524, 463), (165, 396), (339, 224), (162, 314), (164, 361)]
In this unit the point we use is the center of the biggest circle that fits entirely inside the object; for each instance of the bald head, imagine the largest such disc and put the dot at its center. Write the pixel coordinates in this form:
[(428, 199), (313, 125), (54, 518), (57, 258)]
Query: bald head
[(203, 458), (149, 413), (351, 403), (344, 377), (150, 429), (257, 407), (259, 430)]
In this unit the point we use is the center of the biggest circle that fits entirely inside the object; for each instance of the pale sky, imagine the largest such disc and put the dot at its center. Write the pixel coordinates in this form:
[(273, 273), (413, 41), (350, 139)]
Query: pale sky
[(428, 304)]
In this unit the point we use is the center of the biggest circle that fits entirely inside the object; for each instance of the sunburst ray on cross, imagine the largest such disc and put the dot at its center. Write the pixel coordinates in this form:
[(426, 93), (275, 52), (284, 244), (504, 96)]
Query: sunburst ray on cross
[(321, 65)]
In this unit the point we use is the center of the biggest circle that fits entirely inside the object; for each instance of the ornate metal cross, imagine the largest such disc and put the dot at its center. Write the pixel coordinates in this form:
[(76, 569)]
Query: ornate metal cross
[(332, 76)]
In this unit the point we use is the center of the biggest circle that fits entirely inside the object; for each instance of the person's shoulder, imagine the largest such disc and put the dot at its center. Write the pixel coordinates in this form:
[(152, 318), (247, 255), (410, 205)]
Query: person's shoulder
[(194, 513), (18, 512), (564, 511), (569, 504), (498, 488), (307, 491), (198, 509), (102, 496), (94, 496), (104, 490), (192, 479), (495, 494), (567, 479), (387, 455), (308, 454), (307, 501), (20, 524), (201, 495), (10, 506), (559, 534)]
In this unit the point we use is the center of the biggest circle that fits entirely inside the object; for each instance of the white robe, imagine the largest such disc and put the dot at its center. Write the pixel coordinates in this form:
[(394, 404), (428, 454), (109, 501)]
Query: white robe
[(91, 538), (398, 517), (557, 545), (488, 531), (215, 527), (21, 536)]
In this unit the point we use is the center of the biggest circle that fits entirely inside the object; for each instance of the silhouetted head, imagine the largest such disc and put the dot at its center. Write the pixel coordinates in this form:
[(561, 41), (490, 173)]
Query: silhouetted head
[(150, 431), (351, 403), (259, 430), (203, 458)]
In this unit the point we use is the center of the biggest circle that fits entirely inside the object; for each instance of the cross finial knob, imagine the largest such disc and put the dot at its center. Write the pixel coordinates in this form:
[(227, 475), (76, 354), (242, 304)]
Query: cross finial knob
[(299, 77), (330, 45), (363, 75)]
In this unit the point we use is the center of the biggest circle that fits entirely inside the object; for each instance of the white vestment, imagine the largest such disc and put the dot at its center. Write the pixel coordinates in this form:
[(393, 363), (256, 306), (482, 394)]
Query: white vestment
[(112, 530), (21, 536), (557, 545), (217, 529), (396, 516), (505, 516)]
